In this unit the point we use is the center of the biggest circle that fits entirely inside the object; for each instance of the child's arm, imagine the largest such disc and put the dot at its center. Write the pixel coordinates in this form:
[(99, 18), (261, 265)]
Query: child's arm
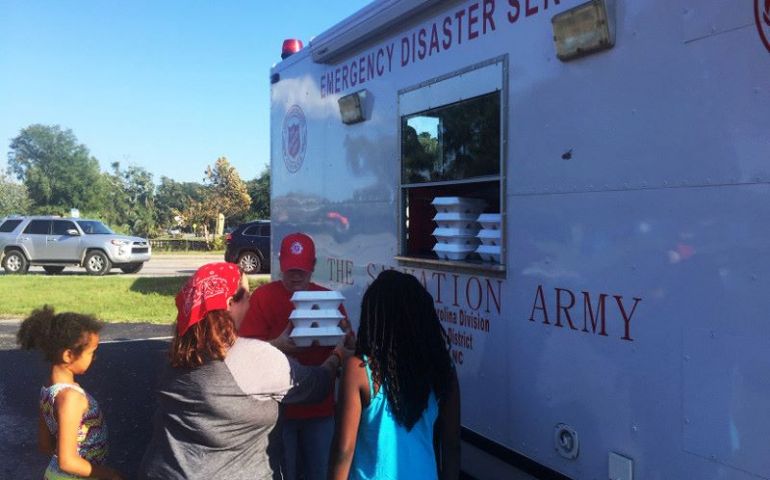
[(45, 441), (449, 433), (349, 409), (70, 406)]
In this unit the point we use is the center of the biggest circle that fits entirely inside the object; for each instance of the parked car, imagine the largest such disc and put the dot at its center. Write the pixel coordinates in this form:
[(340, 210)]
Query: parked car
[(57, 242), (249, 246)]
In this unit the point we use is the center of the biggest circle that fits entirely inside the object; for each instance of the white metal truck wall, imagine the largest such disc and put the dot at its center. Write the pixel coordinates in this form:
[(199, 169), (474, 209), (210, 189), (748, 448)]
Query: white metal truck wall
[(660, 216)]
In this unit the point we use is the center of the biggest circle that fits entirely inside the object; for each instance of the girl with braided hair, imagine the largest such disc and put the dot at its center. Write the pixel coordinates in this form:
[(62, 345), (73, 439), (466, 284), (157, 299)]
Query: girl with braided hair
[(399, 402)]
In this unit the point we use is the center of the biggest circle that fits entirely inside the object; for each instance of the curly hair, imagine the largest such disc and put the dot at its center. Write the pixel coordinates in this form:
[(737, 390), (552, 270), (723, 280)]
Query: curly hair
[(406, 347), (54, 333), (207, 340)]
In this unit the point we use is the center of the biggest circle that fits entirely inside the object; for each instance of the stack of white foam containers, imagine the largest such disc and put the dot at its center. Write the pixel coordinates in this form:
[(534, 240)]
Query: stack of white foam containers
[(457, 226), (490, 237), (316, 318)]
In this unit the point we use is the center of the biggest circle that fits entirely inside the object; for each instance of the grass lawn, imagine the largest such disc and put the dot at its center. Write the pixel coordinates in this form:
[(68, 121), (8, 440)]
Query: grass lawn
[(111, 298)]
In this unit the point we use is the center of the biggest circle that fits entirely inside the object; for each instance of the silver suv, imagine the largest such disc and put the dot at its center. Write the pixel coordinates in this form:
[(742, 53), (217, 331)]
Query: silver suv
[(56, 242)]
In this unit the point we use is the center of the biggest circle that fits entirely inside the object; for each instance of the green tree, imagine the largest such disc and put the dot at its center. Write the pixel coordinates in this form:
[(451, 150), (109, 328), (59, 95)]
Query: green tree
[(172, 196), (259, 189), (59, 173), (197, 215), (128, 200), (13, 197), (226, 191)]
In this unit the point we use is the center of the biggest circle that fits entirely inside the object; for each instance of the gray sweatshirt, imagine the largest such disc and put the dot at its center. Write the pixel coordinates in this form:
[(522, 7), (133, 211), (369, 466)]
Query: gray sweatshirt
[(219, 420)]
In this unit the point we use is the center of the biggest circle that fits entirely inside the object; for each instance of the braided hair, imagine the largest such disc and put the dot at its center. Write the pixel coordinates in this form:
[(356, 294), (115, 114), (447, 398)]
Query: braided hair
[(406, 347), (54, 333)]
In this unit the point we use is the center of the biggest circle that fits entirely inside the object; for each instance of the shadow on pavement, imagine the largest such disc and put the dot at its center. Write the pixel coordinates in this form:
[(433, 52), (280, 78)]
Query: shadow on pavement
[(123, 379)]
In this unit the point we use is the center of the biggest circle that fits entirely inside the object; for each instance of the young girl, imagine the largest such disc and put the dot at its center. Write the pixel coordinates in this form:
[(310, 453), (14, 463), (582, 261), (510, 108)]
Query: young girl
[(399, 402), (71, 426)]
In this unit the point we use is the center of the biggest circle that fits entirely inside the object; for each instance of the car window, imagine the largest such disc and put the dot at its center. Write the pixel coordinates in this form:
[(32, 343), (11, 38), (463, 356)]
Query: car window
[(265, 230), (252, 230), (92, 227), (9, 225), (60, 227), (39, 227)]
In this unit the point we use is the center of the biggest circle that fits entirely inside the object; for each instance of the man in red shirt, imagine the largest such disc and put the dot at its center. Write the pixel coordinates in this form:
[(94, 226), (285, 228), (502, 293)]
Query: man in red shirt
[(307, 429)]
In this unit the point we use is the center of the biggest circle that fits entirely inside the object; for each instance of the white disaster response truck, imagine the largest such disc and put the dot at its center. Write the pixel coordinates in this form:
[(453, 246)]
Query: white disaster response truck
[(584, 188)]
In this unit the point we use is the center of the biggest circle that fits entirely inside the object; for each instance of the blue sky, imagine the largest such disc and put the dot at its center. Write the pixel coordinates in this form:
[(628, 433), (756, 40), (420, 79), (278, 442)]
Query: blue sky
[(168, 85)]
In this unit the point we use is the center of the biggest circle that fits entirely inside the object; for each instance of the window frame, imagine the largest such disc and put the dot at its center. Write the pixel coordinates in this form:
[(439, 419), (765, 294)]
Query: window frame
[(429, 95)]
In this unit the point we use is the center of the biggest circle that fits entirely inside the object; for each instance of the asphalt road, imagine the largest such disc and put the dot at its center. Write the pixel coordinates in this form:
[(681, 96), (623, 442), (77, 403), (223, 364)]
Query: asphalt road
[(158, 266)]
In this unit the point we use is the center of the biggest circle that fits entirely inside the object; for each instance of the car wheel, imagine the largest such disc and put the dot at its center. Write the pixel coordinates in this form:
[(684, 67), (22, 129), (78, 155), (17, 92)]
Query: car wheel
[(97, 263), (250, 262), (132, 267), (15, 262), (53, 269)]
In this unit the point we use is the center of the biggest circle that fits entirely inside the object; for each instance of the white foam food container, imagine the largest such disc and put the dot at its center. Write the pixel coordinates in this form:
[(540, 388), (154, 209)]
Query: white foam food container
[(325, 336), (459, 204), (316, 318), (489, 253), (464, 221), (453, 252), (490, 236), (459, 240), (317, 300), (490, 221), (454, 232)]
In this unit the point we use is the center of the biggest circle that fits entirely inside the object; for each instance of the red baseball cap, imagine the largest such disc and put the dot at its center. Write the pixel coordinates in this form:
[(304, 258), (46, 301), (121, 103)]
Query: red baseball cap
[(297, 253), (207, 290)]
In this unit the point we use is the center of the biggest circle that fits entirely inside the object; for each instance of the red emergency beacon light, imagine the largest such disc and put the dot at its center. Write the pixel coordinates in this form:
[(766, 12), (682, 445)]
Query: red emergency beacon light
[(290, 47)]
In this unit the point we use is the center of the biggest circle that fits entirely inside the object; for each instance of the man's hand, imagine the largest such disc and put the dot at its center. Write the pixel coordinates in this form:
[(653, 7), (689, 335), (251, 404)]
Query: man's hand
[(350, 340), (343, 347), (350, 335), (284, 342)]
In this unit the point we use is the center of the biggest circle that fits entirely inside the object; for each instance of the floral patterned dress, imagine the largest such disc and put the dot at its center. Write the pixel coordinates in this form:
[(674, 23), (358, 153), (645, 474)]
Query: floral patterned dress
[(92, 432)]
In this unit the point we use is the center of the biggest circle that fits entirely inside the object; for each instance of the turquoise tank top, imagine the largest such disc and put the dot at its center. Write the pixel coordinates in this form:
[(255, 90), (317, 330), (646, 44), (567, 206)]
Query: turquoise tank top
[(385, 450)]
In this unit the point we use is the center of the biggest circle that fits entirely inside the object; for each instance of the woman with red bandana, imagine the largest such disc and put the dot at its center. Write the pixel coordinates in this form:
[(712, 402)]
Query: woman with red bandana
[(218, 403)]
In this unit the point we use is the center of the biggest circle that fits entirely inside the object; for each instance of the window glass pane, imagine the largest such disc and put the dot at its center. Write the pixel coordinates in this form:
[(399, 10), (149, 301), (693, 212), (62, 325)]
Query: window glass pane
[(252, 230), (60, 227), (39, 227), (9, 225), (452, 142), (92, 227)]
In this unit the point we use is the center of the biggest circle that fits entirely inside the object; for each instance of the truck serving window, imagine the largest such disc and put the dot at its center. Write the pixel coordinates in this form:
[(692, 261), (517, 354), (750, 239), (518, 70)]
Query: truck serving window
[(451, 169)]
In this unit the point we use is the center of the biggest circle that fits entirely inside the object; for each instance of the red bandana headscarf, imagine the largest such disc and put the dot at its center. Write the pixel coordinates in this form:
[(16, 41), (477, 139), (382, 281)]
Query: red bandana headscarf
[(207, 290)]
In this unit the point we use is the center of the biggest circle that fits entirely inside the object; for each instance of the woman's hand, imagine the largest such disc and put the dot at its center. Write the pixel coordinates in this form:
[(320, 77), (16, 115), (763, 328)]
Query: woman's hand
[(284, 342)]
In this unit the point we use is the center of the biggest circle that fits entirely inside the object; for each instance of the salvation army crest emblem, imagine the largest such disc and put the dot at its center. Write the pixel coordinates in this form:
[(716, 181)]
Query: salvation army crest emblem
[(294, 138), (762, 19)]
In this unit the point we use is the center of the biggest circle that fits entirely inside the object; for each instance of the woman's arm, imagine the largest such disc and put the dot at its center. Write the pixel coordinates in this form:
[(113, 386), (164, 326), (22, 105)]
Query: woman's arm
[(349, 407), (45, 441), (70, 406), (449, 433)]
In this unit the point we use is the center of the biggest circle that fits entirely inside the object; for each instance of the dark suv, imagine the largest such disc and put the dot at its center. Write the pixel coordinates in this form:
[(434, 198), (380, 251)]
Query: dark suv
[(249, 246)]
